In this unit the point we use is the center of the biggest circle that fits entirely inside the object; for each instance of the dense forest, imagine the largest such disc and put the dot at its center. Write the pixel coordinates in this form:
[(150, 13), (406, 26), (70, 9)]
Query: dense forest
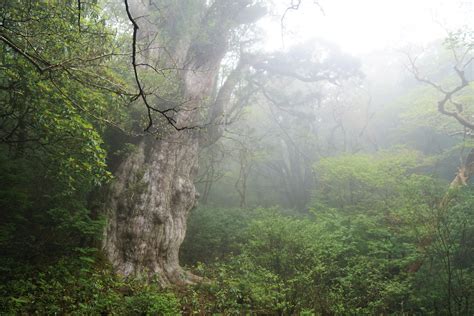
[(236, 157)]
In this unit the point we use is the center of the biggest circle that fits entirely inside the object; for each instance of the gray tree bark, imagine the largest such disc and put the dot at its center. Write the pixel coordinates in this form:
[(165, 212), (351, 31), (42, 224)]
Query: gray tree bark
[(153, 192), (148, 206)]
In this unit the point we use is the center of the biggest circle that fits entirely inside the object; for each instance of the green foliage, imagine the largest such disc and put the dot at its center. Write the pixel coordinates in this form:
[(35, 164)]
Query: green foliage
[(363, 182), (333, 264), (447, 278), (79, 287), (234, 287), (386, 253), (215, 233), (51, 157), (419, 111), (57, 93), (380, 238)]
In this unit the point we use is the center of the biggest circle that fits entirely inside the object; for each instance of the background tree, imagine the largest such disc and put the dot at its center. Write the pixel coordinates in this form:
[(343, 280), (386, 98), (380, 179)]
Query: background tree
[(287, 115), (453, 97)]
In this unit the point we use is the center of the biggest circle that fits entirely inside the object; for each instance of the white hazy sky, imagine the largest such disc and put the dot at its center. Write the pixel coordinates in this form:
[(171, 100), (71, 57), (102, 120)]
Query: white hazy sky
[(360, 26)]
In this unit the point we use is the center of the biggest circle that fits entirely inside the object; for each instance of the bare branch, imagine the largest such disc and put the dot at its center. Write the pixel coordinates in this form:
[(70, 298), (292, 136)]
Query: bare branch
[(141, 92), (448, 94)]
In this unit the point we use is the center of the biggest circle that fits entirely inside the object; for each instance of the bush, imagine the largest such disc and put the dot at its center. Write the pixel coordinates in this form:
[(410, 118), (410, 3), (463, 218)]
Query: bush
[(236, 286), (214, 233), (333, 263), (384, 250), (79, 287)]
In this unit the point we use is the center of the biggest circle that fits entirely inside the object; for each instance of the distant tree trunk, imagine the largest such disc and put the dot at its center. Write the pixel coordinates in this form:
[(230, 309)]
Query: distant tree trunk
[(465, 172), (153, 192), (466, 169), (212, 174), (245, 166)]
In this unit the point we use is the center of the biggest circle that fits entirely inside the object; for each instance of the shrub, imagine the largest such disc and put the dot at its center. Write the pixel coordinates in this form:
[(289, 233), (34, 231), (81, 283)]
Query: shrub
[(80, 287)]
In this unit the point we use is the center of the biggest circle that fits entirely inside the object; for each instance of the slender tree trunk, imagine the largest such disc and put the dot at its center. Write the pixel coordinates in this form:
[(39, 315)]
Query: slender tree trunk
[(465, 172)]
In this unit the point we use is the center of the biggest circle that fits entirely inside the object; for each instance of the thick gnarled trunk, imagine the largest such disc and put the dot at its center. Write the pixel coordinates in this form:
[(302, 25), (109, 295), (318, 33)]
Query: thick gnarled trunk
[(148, 206), (153, 192)]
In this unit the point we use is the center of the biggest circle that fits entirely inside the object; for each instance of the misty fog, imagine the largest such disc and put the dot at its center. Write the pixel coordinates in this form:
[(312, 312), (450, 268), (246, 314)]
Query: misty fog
[(280, 157)]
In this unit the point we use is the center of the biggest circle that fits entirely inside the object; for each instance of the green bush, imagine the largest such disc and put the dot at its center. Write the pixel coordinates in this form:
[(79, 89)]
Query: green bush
[(329, 264), (382, 256), (80, 287), (214, 233), (236, 286)]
